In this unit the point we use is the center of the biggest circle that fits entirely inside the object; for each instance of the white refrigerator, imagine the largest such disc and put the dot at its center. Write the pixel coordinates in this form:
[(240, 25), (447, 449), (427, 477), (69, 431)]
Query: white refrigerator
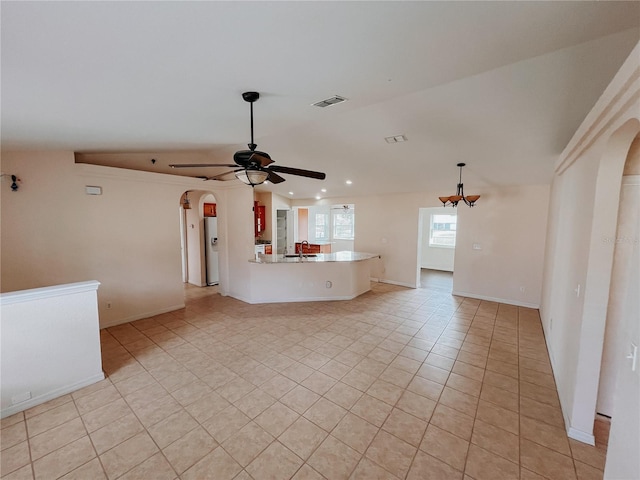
[(211, 249)]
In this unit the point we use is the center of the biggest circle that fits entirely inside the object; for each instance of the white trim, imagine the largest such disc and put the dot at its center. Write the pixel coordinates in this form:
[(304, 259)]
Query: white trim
[(631, 180), (140, 316), (302, 299), (393, 282), (581, 436), (58, 392), (22, 296), (508, 301), (102, 171), (622, 91)]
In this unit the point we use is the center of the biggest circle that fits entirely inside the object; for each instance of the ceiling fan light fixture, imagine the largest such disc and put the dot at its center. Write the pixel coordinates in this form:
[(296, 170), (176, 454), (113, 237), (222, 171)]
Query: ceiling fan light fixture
[(252, 177)]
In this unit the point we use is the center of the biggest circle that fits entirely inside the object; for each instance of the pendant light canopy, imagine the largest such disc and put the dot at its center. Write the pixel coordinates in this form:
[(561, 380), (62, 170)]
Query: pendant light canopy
[(454, 199)]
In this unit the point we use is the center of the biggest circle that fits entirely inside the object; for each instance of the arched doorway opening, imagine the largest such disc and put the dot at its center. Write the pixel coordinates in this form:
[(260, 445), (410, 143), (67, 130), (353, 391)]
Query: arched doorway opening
[(598, 284), (199, 242)]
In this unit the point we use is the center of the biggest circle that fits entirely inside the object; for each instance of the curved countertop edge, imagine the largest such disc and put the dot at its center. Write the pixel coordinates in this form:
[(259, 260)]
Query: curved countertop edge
[(344, 256)]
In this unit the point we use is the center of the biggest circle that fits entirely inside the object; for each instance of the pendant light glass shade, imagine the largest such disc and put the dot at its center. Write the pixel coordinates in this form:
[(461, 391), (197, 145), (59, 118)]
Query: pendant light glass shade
[(252, 177)]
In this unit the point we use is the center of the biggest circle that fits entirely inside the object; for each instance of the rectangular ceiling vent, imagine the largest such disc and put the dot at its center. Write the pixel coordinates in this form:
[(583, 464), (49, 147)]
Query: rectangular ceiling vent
[(395, 139), (330, 101)]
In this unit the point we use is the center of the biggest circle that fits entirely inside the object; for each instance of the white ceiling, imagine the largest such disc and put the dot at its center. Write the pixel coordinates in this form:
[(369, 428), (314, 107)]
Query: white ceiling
[(501, 86)]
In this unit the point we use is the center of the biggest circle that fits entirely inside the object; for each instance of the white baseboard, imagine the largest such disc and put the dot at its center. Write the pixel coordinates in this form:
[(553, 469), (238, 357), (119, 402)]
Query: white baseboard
[(299, 299), (45, 397), (508, 301), (140, 316), (392, 282), (581, 436)]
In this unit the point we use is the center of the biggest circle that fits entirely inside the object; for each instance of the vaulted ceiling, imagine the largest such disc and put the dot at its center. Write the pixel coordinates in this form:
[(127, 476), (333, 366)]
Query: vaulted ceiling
[(501, 86)]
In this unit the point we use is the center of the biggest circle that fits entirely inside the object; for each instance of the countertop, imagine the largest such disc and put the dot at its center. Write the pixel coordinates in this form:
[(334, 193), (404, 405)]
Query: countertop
[(317, 243), (345, 256)]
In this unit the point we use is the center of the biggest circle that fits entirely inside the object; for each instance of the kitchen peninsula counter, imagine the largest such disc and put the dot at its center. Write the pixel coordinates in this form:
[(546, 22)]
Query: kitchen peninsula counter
[(330, 276), (344, 256)]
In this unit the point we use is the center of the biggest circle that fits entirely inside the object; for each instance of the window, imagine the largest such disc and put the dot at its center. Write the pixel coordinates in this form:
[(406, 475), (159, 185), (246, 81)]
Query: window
[(343, 223), (442, 232), (321, 226)]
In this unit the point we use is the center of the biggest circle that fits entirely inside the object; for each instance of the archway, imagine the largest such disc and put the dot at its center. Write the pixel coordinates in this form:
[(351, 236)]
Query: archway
[(598, 279), (623, 251), (195, 207)]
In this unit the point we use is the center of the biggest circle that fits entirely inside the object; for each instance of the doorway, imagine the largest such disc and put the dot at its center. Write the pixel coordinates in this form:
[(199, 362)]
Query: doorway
[(196, 236), (436, 247), (282, 236), (625, 242)]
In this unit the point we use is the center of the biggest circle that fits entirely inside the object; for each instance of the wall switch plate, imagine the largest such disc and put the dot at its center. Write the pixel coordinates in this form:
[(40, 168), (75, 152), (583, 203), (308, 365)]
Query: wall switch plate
[(477, 246), (93, 190), (633, 356)]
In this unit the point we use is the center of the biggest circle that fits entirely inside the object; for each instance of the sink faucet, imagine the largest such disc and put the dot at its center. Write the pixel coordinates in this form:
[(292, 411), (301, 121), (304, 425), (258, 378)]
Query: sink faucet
[(302, 244)]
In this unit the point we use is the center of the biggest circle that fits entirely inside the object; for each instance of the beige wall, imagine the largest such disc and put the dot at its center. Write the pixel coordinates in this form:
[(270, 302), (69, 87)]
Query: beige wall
[(509, 223), (128, 238), (581, 239)]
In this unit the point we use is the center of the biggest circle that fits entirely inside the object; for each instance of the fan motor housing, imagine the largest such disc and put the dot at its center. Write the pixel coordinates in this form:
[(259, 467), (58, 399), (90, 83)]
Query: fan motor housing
[(244, 157), (250, 96)]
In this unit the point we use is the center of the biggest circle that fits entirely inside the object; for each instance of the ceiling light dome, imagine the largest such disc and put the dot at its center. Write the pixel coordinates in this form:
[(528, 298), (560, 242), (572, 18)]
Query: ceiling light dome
[(252, 176)]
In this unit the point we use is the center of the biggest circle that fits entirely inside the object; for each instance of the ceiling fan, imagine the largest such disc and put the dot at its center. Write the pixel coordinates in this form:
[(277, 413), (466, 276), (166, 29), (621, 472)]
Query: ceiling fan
[(256, 166)]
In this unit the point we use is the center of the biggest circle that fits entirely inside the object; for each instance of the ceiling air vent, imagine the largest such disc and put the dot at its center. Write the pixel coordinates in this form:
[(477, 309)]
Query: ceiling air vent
[(330, 101), (395, 139)]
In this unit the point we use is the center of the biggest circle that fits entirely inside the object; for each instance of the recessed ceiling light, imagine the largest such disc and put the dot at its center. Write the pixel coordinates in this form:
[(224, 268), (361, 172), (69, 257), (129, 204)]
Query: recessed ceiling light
[(290, 193), (318, 197), (348, 182), (323, 190)]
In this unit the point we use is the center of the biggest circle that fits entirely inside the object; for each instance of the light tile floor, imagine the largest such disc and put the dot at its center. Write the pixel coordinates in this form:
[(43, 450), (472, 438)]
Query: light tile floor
[(398, 383)]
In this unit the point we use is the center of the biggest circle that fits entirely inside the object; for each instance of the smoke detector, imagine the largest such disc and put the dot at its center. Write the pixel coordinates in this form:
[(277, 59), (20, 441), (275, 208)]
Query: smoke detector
[(330, 101)]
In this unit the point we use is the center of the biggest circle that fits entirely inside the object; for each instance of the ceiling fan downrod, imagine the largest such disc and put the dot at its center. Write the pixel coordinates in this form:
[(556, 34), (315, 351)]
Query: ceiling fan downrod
[(251, 97)]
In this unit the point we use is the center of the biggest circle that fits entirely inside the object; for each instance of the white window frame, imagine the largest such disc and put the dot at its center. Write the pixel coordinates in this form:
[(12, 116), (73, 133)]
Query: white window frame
[(326, 224), (342, 211), (432, 222)]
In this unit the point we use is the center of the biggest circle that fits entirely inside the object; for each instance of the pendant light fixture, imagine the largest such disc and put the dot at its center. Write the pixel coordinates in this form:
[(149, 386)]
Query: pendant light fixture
[(454, 199)]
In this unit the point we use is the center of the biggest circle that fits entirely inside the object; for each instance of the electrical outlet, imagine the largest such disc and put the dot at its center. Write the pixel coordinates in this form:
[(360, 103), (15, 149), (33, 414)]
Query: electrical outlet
[(108, 305), (522, 289)]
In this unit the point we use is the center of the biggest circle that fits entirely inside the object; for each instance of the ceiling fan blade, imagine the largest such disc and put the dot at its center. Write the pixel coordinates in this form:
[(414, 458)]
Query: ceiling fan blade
[(198, 165), (259, 157), (222, 176), (274, 177), (298, 171)]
